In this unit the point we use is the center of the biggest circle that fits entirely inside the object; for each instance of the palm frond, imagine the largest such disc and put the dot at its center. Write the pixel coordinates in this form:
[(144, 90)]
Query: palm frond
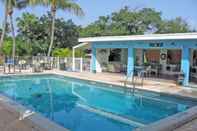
[(21, 4), (39, 2), (70, 6)]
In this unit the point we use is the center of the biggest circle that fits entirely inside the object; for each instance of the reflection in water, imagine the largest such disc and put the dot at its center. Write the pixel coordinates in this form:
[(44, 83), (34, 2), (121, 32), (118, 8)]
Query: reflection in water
[(58, 99)]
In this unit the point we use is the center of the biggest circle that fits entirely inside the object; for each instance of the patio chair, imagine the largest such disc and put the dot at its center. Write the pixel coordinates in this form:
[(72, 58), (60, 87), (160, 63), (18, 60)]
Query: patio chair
[(47, 66), (22, 65), (47, 63), (146, 71), (155, 69), (9, 62), (37, 66)]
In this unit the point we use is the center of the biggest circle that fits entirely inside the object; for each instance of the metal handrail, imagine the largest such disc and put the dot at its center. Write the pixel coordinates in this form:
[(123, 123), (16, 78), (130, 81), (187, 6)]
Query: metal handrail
[(140, 75)]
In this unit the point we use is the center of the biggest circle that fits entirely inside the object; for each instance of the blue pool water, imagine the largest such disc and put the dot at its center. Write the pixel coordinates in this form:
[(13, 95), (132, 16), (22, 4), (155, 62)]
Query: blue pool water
[(84, 106)]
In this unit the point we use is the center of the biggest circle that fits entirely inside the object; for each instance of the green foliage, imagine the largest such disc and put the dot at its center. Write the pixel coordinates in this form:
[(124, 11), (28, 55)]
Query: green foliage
[(67, 5), (79, 53), (33, 36), (132, 22), (62, 52), (21, 48), (66, 52), (7, 47), (177, 25), (36, 32)]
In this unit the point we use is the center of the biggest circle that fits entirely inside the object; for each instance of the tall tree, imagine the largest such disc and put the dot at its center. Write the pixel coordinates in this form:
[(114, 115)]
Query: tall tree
[(66, 5), (11, 5), (9, 8), (132, 22), (34, 32), (4, 22), (177, 25)]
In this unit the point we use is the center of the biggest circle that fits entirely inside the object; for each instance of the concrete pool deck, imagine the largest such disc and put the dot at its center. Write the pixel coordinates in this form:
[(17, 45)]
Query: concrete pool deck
[(9, 120), (15, 117)]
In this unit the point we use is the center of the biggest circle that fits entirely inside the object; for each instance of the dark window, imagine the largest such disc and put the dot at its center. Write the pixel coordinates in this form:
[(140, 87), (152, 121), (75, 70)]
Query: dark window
[(115, 55), (195, 58), (174, 57)]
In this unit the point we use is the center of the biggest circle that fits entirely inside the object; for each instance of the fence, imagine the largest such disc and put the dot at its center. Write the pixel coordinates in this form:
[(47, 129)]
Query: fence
[(86, 64), (39, 63)]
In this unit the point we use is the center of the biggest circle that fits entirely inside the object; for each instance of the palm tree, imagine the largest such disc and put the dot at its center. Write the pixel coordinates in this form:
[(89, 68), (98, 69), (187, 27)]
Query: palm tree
[(66, 5), (11, 5), (4, 22), (9, 8)]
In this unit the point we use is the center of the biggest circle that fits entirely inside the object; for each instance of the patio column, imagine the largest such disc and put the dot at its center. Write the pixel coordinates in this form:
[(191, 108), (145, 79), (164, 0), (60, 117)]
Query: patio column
[(130, 62), (185, 64), (93, 60), (73, 59)]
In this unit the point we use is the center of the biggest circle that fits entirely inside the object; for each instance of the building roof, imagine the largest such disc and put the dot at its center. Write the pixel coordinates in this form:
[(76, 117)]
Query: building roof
[(175, 36)]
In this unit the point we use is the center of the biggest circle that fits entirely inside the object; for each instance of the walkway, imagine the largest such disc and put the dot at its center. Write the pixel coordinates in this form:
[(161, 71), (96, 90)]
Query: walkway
[(190, 126)]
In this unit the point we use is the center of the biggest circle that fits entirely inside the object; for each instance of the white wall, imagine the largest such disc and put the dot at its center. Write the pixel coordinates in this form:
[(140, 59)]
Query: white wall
[(163, 62), (103, 58), (139, 56)]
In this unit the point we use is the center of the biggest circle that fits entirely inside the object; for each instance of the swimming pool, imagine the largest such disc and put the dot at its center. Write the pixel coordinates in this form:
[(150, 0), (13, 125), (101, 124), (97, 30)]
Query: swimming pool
[(81, 105)]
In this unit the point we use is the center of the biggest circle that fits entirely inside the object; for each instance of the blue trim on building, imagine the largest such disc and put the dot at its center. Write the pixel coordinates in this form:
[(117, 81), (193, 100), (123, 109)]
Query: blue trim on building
[(130, 62), (184, 45), (165, 44), (185, 65), (93, 61)]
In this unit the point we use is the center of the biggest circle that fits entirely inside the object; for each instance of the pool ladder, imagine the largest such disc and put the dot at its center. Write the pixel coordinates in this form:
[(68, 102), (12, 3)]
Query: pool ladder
[(134, 80)]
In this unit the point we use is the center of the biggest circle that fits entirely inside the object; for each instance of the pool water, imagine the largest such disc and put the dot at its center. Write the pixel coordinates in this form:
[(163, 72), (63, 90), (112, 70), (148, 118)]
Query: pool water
[(85, 106)]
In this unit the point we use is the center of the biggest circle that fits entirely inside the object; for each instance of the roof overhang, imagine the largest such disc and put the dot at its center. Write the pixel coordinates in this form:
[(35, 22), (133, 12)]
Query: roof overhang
[(175, 36), (80, 45)]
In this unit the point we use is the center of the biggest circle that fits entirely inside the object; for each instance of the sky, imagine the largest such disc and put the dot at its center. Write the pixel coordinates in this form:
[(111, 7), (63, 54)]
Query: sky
[(170, 9)]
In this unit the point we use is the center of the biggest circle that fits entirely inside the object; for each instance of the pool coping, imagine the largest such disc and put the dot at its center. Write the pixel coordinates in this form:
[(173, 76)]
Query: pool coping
[(34, 118), (173, 122)]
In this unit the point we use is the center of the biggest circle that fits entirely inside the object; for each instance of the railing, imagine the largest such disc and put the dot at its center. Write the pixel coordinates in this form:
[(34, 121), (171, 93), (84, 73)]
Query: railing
[(40, 63), (133, 80)]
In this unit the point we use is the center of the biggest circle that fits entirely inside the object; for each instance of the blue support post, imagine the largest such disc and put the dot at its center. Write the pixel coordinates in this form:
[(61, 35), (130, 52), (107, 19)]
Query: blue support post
[(130, 62), (185, 65), (143, 53), (93, 60)]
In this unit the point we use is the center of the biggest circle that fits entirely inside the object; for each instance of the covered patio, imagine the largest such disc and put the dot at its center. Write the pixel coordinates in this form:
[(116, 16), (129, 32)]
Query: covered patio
[(168, 55)]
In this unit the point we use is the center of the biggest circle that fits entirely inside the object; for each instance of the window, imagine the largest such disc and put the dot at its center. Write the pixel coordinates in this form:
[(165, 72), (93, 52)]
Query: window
[(153, 55), (115, 55), (174, 56), (195, 58)]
